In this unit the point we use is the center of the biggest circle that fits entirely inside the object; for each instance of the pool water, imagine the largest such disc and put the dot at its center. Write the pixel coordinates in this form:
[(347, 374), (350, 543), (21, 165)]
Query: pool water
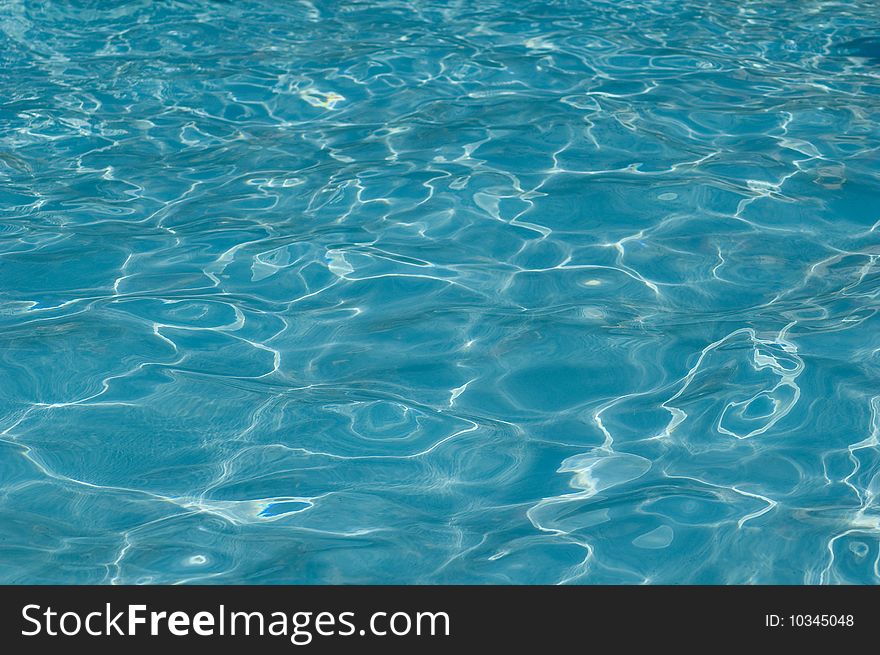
[(440, 292)]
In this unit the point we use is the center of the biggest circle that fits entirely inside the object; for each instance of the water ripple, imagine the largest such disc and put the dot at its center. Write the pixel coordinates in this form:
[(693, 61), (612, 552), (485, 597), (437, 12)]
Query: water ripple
[(439, 292)]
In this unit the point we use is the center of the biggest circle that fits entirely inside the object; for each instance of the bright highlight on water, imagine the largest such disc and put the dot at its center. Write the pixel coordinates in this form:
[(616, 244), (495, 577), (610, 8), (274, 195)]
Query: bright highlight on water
[(440, 292)]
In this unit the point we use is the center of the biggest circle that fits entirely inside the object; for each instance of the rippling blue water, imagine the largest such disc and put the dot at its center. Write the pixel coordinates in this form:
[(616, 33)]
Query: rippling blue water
[(435, 292)]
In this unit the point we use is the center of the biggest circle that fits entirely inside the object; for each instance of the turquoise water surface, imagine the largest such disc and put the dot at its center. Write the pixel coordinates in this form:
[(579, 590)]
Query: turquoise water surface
[(440, 292)]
